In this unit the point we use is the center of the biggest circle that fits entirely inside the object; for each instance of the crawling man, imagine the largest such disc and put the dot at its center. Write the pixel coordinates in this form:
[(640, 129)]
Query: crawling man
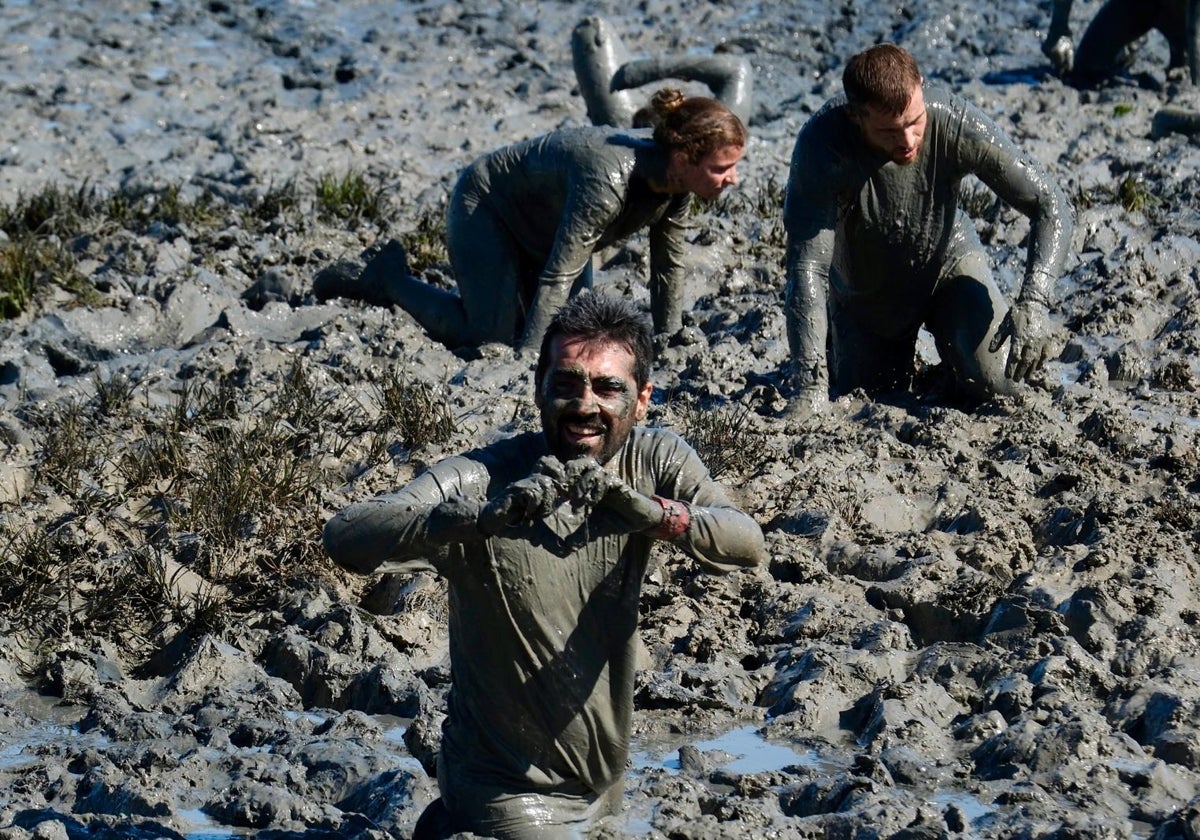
[(877, 245)]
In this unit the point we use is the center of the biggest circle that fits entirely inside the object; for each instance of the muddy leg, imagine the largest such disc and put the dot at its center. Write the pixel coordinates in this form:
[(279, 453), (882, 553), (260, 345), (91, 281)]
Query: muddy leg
[(728, 77), (492, 274), (1173, 22), (967, 309), (860, 358), (597, 53), (1174, 119), (435, 822), (375, 283), (1106, 46)]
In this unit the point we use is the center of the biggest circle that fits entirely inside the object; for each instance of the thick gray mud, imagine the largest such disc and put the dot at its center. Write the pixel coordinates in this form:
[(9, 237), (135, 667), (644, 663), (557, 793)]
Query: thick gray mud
[(975, 622)]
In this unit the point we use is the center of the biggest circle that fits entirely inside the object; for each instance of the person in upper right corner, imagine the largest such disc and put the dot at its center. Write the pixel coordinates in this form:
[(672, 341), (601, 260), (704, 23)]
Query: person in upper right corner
[(878, 246), (1110, 41)]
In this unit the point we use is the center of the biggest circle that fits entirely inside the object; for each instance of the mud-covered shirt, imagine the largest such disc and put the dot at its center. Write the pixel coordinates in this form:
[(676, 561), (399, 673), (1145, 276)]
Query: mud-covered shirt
[(880, 234), (543, 619)]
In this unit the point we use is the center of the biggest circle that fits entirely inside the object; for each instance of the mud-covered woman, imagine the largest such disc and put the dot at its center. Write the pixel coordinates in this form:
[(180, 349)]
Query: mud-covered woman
[(524, 221)]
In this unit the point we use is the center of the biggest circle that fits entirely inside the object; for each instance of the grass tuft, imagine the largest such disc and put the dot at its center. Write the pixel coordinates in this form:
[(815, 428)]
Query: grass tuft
[(425, 245), (351, 198), (724, 437), (70, 446), (414, 409), (143, 208), (114, 395), (1135, 196), (29, 263), (277, 205), (55, 211), (1131, 194)]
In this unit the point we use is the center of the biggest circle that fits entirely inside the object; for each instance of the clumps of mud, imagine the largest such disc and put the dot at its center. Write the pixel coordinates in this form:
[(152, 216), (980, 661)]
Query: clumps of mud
[(975, 621)]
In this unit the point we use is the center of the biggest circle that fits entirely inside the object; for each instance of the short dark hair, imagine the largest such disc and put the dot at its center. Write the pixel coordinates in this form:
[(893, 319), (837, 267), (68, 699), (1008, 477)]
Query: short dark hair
[(882, 76), (593, 316)]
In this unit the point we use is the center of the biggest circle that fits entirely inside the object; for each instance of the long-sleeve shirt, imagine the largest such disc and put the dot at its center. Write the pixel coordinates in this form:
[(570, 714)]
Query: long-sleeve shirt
[(877, 235), (542, 620), (566, 194)]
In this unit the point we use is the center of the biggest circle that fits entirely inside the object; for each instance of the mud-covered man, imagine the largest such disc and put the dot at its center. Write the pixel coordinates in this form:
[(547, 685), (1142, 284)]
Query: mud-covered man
[(877, 245), (544, 539)]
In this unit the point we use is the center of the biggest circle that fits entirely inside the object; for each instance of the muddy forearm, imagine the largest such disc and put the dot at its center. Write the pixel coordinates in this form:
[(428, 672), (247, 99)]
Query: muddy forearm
[(807, 318), (1037, 288), (549, 298), (666, 277), (387, 529), (719, 535), (1060, 20), (1024, 184), (436, 509), (723, 539), (1049, 241), (810, 218)]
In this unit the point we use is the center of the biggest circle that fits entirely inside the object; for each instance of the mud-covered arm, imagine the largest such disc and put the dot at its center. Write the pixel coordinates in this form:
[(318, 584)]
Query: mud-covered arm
[(1024, 184), (1057, 45), (667, 242), (729, 77), (719, 535), (591, 205), (810, 219), (409, 530)]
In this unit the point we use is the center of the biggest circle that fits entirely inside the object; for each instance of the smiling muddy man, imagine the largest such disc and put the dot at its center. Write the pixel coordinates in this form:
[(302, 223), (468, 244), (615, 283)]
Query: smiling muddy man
[(545, 540)]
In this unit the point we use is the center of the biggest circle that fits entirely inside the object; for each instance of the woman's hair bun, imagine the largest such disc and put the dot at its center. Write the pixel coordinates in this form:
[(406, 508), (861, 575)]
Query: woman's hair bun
[(667, 100)]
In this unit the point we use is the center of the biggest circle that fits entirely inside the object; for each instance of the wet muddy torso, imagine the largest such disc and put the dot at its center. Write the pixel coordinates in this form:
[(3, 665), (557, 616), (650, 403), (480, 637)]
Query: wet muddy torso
[(897, 226), (565, 194), (543, 624), (897, 223)]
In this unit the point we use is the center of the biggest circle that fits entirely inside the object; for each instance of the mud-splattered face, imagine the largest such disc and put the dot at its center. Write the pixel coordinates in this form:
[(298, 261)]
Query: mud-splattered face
[(710, 175), (589, 398), (899, 136)]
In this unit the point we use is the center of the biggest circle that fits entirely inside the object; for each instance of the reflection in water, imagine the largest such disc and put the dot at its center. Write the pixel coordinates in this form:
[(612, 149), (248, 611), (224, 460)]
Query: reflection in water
[(968, 804), (750, 753), (200, 827)]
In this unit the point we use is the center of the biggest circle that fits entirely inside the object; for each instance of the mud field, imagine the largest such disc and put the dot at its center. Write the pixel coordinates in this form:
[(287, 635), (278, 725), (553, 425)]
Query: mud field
[(974, 623)]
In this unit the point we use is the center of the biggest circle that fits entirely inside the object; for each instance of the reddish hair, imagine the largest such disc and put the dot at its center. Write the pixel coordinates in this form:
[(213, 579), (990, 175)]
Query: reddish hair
[(695, 125)]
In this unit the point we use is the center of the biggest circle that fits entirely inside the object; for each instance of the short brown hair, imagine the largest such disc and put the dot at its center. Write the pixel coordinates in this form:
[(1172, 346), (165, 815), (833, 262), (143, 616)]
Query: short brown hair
[(695, 125), (882, 76)]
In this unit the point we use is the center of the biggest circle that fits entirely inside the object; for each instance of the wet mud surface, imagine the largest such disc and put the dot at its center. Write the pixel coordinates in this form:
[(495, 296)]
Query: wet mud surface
[(975, 621)]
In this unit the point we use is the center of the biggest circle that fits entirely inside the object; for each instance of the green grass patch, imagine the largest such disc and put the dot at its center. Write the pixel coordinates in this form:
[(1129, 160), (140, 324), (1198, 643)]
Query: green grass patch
[(425, 244), (350, 197)]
